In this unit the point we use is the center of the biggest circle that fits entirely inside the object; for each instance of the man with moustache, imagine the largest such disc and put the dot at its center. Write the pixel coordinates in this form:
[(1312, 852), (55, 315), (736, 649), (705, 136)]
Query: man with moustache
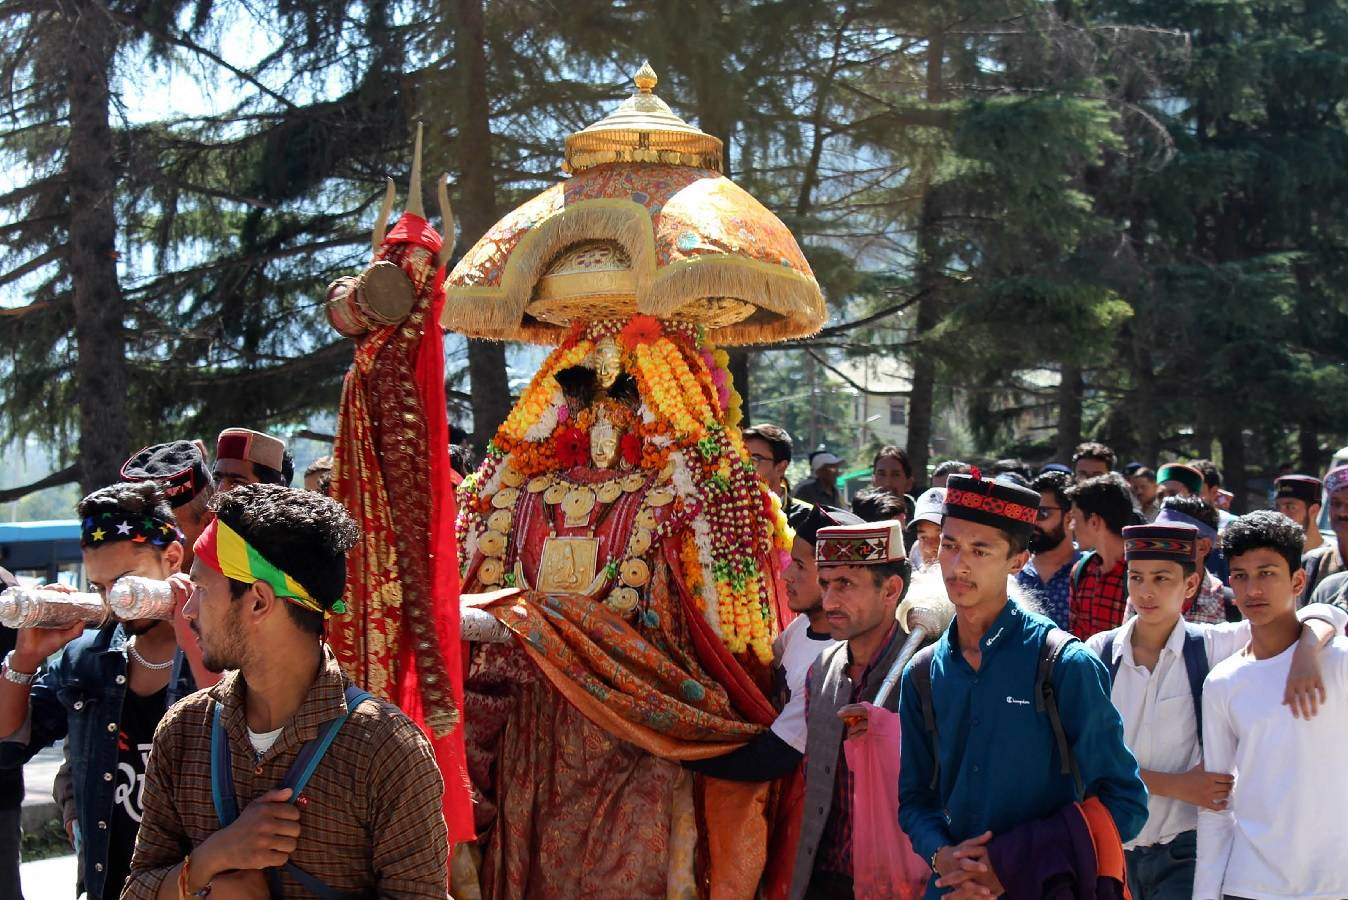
[(864, 575), (987, 760), (1299, 498), (228, 812), (779, 749), (1048, 574), (110, 687), (1328, 559)]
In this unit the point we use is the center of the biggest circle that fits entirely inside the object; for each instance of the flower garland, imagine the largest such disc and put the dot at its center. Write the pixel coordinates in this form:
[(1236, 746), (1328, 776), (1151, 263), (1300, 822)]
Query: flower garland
[(689, 416)]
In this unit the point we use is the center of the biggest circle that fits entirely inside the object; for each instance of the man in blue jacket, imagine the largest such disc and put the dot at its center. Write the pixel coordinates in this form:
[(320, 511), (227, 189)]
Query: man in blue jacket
[(110, 686), (993, 761)]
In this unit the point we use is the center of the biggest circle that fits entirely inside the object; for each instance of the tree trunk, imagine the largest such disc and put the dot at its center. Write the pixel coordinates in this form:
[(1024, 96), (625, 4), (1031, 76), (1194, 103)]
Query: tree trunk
[(1308, 449), (920, 405), (100, 333), (1234, 477), (490, 400), (1070, 391)]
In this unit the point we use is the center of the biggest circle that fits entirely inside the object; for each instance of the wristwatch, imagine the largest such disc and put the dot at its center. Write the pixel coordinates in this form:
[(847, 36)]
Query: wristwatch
[(7, 672)]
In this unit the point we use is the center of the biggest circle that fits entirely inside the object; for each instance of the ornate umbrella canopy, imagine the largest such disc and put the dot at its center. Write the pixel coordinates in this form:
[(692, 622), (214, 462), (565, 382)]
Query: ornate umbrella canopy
[(646, 224)]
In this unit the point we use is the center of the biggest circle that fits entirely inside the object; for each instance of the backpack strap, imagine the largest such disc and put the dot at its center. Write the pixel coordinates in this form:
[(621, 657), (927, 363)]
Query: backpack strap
[(1107, 656), (921, 680), (307, 760), (1046, 701), (1196, 668), (1079, 569), (222, 776)]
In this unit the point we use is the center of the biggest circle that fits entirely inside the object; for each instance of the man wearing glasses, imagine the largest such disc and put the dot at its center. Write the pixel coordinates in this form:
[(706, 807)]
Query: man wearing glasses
[(769, 448), (1047, 577)]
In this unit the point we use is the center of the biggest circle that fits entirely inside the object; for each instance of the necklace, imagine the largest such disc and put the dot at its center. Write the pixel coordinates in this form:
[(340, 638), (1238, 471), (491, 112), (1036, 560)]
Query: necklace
[(135, 654)]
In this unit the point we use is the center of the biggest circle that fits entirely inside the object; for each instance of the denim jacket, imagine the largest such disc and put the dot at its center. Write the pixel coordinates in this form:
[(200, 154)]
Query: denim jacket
[(79, 698)]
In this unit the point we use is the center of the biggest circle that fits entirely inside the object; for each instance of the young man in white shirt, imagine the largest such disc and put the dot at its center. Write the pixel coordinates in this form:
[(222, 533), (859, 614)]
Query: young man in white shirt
[(1157, 662), (1280, 836)]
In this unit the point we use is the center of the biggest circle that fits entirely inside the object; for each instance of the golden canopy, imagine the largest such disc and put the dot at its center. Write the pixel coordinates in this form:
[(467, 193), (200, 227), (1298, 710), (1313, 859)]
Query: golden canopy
[(646, 224)]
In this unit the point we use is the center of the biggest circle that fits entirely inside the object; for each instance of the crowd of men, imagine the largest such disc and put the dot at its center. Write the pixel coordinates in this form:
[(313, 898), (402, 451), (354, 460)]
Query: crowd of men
[(1137, 688), (1213, 667)]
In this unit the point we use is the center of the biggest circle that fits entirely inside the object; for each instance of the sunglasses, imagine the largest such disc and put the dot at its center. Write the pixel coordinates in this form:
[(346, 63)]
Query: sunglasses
[(1046, 511)]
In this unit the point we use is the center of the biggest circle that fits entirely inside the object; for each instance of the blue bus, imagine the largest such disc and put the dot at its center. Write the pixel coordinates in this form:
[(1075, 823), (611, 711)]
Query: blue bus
[(43, 552)]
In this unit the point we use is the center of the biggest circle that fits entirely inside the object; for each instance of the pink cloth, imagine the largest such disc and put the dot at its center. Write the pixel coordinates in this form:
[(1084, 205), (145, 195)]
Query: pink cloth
[(884, 864)]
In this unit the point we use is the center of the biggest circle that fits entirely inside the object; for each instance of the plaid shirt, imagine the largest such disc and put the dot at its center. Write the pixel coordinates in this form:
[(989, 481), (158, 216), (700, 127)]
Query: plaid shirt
[(1098, 599), (372, 824), (835, 845)]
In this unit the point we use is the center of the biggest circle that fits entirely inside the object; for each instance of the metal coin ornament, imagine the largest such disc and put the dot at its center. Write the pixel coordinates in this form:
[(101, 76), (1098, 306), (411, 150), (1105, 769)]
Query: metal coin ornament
[(504, 498), (635, 572), (538, 483), (491, 571), (492, 543), (556, 493), (641, 542), (511, 478), (609, 491), (577, 505), (623, 600), (499, 521)]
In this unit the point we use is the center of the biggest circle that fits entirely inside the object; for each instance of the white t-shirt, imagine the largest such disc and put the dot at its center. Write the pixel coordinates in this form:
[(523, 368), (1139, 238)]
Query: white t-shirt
[(798, 652), (1283, 835), (1157, 709), (263, 742)]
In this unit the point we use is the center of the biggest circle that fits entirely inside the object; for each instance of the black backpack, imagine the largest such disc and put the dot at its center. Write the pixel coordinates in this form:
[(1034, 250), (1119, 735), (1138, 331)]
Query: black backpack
[(1195, 667), (1045, 700)]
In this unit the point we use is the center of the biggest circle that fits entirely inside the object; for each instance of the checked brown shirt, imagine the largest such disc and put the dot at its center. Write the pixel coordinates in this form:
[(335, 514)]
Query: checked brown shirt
[(372, 823)]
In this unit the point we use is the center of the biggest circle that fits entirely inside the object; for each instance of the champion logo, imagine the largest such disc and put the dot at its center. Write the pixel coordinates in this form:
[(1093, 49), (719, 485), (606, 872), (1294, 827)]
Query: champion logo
[(992, 640), (1014, 702)]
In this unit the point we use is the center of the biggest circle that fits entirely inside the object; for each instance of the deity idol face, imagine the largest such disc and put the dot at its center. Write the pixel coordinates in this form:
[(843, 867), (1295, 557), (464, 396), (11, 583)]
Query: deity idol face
[(604, 438), (606, 362)]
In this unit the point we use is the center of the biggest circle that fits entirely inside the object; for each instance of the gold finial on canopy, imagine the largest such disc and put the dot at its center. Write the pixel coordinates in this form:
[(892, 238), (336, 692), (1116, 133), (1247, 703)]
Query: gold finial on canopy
[(643, 130)]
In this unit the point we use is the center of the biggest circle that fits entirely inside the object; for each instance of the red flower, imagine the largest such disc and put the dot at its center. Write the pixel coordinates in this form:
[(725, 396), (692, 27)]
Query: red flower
[(572, 447), (630, 448), (641, 330)]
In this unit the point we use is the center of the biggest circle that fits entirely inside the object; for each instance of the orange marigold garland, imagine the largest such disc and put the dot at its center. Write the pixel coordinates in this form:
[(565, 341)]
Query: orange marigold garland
[(689, 417)]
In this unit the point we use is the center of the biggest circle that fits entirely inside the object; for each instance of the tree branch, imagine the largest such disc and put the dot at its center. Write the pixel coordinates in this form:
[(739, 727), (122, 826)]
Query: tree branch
[(68, 475)]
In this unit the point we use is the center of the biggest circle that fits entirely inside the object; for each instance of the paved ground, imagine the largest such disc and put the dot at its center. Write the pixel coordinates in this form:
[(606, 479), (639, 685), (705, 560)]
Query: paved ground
[(49, 879), (38, 774)]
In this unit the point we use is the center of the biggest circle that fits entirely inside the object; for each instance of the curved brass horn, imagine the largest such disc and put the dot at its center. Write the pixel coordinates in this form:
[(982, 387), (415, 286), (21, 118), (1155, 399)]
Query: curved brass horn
[(446, 221), (381, 223), (414, 205)]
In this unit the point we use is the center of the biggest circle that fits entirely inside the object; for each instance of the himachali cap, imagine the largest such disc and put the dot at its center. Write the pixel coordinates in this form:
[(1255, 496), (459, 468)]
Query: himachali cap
[(251, 446), (867, 544), (1299, 487), (178, 466), (806, 520), (1169, 543), (1185, 475), (1336, 480), (1007, 506)]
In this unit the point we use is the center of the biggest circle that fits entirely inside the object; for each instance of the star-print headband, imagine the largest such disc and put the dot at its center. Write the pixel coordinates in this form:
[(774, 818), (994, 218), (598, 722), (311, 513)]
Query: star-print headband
[(224, 550), (110, 527)]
